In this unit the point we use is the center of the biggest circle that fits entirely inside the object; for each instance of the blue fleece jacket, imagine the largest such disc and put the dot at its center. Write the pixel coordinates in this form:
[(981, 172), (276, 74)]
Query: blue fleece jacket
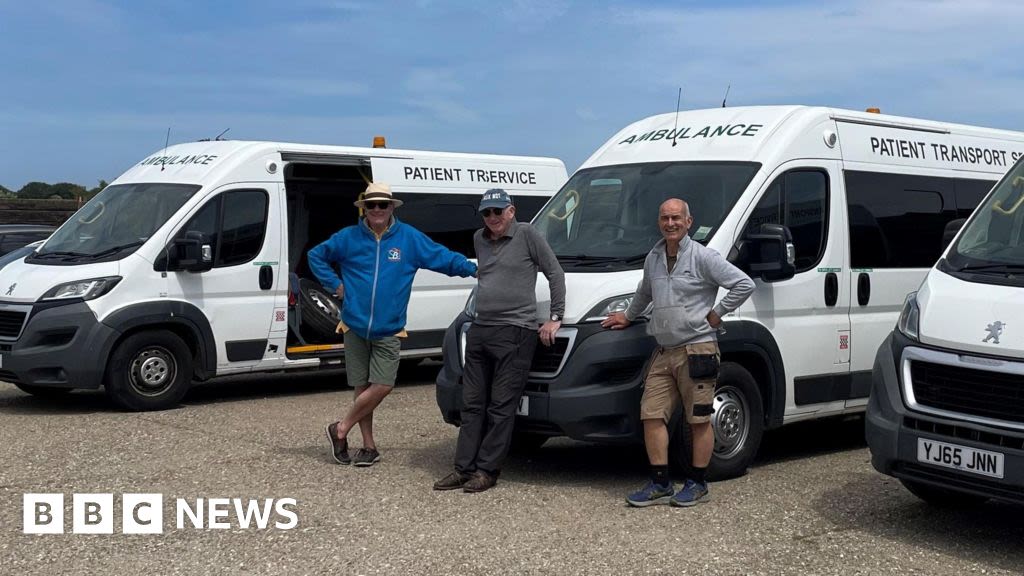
[(378, 275)]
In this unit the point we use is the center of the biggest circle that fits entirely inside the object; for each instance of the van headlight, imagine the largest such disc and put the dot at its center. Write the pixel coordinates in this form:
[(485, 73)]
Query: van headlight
[(910, 317), (609, 306), (84, 289)]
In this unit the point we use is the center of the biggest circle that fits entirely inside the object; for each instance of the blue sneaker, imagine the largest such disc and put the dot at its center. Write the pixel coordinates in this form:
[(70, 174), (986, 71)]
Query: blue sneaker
[(693, 493), (651, 494)]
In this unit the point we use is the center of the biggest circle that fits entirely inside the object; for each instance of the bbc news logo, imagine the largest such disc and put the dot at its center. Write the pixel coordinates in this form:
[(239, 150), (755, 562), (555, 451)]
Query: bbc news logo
[(144, 513)]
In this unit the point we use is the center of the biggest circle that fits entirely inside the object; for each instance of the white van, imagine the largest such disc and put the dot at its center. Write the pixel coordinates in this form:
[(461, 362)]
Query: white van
[(192, 264), (946, 414), (836, 214)]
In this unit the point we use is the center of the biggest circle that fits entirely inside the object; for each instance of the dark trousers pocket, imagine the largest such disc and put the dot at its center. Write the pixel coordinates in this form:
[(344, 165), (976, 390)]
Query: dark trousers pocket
[(703, 366)]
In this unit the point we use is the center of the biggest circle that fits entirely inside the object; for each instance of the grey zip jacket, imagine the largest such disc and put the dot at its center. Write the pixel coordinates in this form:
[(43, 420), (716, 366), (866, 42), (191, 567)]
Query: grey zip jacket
[(683, 299)]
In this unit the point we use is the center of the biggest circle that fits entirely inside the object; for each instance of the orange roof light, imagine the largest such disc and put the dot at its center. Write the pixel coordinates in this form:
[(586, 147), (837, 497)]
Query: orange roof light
[(378, 142), (874, 110)]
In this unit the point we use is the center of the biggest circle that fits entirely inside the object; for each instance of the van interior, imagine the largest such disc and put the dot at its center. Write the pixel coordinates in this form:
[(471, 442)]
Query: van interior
[(319, 200)]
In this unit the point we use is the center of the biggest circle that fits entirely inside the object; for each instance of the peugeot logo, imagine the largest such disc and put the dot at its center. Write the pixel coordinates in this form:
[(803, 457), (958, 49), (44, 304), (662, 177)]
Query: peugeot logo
[(994, 330), (11, 289)]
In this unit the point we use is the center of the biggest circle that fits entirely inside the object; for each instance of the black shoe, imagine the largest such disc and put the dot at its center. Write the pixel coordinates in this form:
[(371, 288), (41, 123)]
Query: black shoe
[(339, 448), (479, 482), (453, 481), (366, 457)]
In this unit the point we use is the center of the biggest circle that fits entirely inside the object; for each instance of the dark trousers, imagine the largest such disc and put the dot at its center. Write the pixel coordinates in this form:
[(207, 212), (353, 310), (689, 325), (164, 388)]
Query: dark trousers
[(497, 364)]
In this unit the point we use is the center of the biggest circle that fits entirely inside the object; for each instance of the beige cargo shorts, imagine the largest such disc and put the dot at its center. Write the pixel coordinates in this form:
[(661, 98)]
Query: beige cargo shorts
[(688, 373)]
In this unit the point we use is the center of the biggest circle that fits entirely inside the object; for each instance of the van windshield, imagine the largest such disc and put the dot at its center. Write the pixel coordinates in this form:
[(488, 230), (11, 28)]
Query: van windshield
[(114, 223), (993, 241), (607, 217)]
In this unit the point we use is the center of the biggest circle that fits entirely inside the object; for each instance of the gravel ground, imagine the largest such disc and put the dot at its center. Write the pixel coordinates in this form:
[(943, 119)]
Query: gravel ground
[(811, 504)]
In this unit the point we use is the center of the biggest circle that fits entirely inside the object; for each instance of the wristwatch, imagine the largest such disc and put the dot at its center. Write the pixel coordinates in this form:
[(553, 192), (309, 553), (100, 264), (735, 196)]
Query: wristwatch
[(555, 317)]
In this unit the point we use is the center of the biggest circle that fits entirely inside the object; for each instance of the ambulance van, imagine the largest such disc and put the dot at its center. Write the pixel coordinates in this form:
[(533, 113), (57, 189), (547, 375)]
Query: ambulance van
[(946, 414), (192, 264), (836, 214)]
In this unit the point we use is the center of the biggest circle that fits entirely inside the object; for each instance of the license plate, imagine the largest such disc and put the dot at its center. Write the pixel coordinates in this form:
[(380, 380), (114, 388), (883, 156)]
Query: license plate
[(524, 406), (961, 458)]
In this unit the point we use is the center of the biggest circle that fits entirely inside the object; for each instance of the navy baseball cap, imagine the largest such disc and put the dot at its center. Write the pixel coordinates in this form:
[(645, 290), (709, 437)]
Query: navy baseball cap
[(495, 198)]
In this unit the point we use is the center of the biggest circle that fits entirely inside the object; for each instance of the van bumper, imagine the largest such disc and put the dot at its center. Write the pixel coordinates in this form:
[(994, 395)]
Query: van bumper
[(61, 346), (892, 431), (594, 397)]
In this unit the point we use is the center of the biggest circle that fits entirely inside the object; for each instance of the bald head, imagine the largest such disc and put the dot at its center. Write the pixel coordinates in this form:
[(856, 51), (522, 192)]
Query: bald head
[(674, 221), (674, 204)]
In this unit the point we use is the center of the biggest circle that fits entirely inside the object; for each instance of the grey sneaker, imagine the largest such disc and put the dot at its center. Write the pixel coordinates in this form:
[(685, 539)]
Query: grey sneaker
[(339, 448), (366, 457)]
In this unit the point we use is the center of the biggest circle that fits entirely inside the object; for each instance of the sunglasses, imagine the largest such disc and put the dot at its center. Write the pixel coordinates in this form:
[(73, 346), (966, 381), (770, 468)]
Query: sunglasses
[(377, 205), (491, 212)]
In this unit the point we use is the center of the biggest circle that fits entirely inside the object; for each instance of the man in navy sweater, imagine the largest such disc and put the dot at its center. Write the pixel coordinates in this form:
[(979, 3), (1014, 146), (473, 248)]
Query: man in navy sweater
[(378, 259)]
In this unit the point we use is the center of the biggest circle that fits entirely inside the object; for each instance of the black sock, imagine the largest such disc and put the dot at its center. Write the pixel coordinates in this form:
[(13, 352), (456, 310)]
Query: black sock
[(699, 474), (659, 475)]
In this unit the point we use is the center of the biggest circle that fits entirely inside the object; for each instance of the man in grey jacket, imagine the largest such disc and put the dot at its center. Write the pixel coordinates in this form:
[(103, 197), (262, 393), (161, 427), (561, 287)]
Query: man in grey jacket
[(502, 339), (681, 278)]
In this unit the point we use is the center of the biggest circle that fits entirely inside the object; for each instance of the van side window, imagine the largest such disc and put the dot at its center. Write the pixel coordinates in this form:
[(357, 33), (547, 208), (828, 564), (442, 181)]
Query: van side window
[(451, 219), (969, 193), (798, 200), (448, 219), (235, 223), (896, 220)]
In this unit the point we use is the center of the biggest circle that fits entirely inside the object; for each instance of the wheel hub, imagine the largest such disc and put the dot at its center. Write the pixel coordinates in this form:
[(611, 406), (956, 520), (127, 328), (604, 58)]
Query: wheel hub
[(731, 421), (152, 371)]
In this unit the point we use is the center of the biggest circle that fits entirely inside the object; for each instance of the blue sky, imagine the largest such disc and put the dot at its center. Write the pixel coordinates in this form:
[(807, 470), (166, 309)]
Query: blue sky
[(90, 86)]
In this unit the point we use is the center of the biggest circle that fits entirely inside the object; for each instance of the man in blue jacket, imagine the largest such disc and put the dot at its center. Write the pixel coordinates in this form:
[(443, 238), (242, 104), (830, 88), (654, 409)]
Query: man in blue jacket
[(378, 258)]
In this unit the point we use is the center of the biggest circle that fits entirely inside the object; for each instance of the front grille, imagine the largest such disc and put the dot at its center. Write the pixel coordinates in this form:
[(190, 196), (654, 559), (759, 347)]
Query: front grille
[(10, 323), (547, 359), (952, 431), (968, 391)]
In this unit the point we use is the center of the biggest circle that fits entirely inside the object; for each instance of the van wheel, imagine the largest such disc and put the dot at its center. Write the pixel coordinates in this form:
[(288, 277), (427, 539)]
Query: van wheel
[(44, 391), (738, 421), (321, 311), (942, 497), (149, 370)]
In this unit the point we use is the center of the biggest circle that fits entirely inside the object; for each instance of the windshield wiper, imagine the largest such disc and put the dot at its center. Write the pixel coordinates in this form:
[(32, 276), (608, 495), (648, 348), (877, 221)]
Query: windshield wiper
[(59, 254), (998, 268), (113, 250), (586, 258)]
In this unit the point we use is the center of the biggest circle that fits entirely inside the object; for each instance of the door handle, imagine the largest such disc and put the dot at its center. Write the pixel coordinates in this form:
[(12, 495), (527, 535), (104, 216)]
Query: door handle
[(863, 288), (831, 289), (266, 277)]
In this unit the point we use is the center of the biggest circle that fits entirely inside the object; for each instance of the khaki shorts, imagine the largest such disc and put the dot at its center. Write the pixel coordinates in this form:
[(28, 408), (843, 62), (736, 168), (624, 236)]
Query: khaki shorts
[(371, 361), (668, 381)]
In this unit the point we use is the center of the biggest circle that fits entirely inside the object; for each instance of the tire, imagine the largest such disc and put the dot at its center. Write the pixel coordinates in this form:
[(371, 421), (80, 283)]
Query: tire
[(738, 421), (942, 497), (150, 370), (44, 391), (321, 311), (526, 442)]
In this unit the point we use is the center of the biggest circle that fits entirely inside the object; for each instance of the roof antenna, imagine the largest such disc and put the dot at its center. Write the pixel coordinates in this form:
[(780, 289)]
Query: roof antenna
[(166, 141), (726, 95), (221, 134), (675, 124)]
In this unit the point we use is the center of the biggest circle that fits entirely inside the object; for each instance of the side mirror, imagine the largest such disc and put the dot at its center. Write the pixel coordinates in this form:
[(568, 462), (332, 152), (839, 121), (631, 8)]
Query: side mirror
[(191, 253), (771, 254), (950, 231)]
